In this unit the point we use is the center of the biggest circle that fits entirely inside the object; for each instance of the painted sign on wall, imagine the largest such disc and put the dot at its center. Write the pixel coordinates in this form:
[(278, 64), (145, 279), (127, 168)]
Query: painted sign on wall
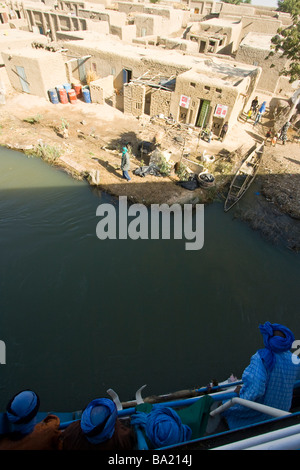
[(221, 110), (184, 101)]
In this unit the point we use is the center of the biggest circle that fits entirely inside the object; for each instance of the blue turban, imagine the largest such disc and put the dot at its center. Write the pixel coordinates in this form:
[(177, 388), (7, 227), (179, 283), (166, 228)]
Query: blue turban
[(274, 343), (163, 426), (22, 410), (98, 420)]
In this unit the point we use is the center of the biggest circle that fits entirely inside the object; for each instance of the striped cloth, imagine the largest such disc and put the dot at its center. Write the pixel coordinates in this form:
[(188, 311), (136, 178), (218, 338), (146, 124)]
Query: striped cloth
[(273, 389)]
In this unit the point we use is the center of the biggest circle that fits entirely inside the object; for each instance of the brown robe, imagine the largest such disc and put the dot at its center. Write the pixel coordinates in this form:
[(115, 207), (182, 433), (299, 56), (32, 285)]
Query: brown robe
[(73, 438), (45, 436)]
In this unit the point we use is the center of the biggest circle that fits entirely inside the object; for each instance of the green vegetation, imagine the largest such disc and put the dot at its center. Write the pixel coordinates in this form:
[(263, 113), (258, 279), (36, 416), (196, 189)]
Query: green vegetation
[(47, 152), (64, 124), (289, 6), (287, 39), (182, 172), (34, 119), (164, 166)]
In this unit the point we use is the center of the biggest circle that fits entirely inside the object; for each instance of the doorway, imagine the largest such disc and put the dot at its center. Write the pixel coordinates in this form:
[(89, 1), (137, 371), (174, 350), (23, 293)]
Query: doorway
[(182, 114), (203, 113), (127, 75), (202, 46), (147, 101), (23, 79)]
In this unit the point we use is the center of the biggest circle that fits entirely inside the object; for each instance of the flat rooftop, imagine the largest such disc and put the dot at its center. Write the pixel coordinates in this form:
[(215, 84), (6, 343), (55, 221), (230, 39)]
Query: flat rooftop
[(258, 41), (9, 36), (213, 65)]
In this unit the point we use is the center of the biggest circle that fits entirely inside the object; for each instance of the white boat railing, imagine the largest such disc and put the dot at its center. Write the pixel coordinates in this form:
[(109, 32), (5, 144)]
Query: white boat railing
[(280, 438), (275, 412)]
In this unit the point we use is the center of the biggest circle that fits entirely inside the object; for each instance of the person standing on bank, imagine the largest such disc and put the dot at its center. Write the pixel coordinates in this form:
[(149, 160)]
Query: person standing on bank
[(125, 163)]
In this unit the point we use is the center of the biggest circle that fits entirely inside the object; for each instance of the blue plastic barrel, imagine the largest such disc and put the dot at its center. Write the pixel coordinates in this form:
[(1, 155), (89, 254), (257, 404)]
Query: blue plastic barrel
[(67, 86), (86, 95), (53, 96)]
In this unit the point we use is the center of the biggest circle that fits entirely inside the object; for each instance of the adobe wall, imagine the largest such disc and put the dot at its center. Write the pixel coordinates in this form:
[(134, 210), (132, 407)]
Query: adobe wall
[(71, 6), (237, 10), (199, 87), (131, 7), (134, 99), (43, 72), (101, 27), (113, 61), (126, 33), (12, 39), (115, 18), (259, 25), (108, 62), (102, 89), (232, 32), (148, 25), (54, 21), (180, 44), (203, 7), (270, 75), (160, 102)]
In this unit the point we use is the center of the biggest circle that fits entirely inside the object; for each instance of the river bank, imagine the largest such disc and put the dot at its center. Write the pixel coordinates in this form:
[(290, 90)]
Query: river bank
[(95, 137)]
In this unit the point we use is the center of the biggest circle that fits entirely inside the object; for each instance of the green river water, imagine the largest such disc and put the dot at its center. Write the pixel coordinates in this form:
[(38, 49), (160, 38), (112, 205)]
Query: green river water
[(79, 315)]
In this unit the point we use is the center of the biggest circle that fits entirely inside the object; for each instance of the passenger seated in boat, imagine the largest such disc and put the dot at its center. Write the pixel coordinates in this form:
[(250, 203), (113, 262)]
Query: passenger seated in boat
[(162, 426), (98, 429), (26, 433), (269, 379)]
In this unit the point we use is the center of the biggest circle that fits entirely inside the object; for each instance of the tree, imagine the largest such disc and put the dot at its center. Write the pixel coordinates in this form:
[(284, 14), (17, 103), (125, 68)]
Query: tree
[(289, 6), (287, 40)]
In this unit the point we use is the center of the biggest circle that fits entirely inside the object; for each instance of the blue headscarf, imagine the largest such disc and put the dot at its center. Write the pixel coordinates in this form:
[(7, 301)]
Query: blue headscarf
[(163, 426), (22, 410), (274, 344), (98, 420), (263, 107)]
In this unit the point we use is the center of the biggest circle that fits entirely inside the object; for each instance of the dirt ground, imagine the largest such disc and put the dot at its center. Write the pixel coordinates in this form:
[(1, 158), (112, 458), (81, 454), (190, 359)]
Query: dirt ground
[(96, 133)]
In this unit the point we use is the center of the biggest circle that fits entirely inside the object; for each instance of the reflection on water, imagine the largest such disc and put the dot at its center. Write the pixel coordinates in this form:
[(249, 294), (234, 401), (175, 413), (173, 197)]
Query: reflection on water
[(80, 315)]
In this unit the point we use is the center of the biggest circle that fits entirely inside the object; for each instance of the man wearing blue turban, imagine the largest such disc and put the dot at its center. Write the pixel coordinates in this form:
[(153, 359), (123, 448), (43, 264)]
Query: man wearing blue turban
[(27, 432), (98, 429), (22, 410), (269, 379), (162, 426)]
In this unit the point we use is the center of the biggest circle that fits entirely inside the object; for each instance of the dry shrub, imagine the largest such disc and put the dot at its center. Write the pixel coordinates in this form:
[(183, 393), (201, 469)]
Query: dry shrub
[(91, 76)]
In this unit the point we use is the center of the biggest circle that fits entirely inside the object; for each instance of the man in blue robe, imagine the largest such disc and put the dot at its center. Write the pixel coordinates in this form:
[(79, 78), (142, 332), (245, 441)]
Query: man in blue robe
[(269, 379)]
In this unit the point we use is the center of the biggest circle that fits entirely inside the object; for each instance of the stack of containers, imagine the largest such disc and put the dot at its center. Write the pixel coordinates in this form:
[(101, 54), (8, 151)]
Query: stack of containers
[(66, 93)]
